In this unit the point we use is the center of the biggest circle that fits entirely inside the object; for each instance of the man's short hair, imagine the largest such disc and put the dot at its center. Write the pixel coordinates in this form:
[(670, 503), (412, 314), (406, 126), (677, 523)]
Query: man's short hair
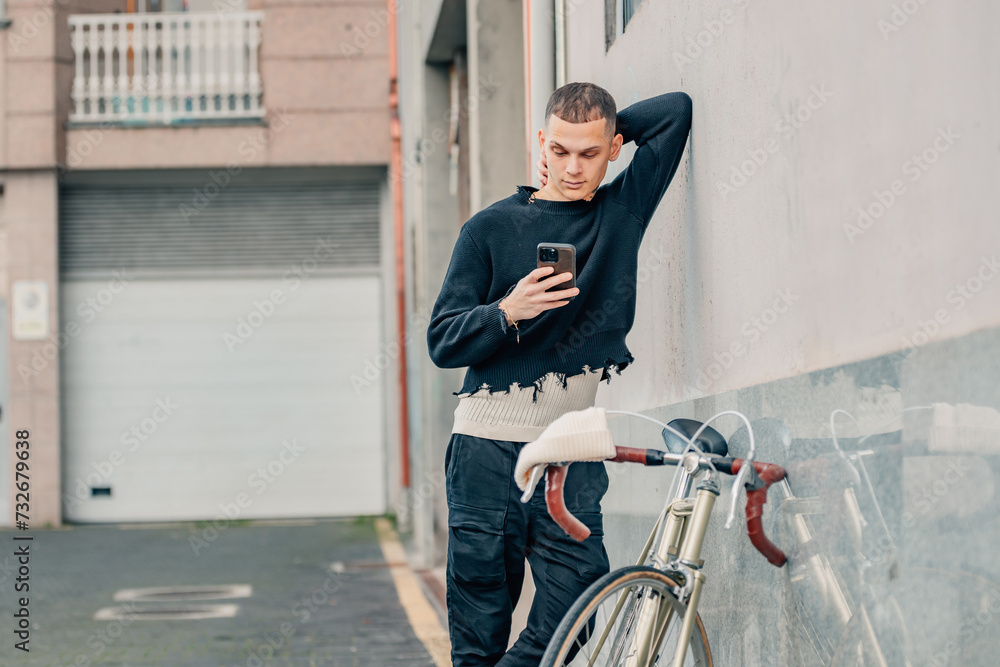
[(580, 102)]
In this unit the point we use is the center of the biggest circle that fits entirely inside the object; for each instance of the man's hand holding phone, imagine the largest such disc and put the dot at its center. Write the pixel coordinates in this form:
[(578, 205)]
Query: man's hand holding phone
[(529, 299)]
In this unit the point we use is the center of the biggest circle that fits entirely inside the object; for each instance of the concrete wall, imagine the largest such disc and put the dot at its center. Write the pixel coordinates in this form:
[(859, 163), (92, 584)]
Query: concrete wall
[(908, 541), (430, 217), (837, 114), (492, 116), (34, 67), (497, 84), (767, 290)]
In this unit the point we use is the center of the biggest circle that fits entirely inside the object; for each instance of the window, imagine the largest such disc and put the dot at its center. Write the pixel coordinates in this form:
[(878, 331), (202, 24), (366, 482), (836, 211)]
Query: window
[(626, 10), (144, 6), (617, 14), (153, 6)]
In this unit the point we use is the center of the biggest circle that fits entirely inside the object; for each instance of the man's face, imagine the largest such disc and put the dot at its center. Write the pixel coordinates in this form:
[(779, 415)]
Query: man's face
[(577, 156)]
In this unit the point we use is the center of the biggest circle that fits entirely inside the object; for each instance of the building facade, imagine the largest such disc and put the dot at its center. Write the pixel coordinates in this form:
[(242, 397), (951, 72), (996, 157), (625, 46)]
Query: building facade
[(197, 259), (828, 246)]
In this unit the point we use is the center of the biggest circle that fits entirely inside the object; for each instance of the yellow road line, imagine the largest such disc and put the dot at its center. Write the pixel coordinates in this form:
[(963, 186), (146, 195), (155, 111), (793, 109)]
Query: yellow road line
[(423, 619)]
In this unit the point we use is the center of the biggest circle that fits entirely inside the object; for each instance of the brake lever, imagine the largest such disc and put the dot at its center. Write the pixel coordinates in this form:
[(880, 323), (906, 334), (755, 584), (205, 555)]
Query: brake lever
[(741, 475), (755, 482), (748, 463)]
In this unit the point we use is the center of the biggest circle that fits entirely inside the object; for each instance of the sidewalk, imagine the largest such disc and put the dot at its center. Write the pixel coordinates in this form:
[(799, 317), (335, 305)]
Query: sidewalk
[(322, 593)]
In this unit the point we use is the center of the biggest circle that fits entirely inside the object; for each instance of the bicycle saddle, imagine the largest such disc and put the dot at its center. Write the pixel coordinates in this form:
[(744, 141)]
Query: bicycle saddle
[(709, 441)]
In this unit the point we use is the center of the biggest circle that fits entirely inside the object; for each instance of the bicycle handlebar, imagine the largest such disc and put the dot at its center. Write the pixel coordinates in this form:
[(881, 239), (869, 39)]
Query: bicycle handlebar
[(555, 479), (767, 474)]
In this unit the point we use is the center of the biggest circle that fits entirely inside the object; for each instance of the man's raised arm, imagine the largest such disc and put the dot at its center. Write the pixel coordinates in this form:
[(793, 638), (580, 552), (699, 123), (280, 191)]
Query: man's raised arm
[(659, 127)]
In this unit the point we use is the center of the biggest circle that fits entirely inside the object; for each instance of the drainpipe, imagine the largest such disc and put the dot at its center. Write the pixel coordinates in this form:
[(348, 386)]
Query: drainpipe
[(560, 11), (396, 179)]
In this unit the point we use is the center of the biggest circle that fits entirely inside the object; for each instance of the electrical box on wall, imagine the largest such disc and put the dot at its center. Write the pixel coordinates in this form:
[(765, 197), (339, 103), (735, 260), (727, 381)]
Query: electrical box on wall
[(30, 310)]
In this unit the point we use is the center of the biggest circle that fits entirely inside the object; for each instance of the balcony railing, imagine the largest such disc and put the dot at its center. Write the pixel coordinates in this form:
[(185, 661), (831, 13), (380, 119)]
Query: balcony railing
[(166, 67)]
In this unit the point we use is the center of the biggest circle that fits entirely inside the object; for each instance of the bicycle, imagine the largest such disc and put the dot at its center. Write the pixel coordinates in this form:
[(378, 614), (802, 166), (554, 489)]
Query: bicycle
[(633, 616)]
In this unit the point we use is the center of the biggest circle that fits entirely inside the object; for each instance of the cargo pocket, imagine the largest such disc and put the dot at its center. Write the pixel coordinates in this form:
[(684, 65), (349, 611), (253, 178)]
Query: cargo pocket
[(477, 473), (476, 547), (478, 490)]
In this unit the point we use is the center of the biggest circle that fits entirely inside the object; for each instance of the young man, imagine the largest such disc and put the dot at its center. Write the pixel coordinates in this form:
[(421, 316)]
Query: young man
[(533, 355)]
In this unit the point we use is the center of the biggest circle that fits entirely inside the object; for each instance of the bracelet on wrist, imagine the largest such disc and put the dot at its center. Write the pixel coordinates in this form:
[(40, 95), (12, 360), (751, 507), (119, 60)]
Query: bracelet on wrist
[(510, 319)]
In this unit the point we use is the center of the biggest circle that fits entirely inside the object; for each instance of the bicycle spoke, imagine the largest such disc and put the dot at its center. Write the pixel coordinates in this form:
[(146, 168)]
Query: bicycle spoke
[(624, 630)]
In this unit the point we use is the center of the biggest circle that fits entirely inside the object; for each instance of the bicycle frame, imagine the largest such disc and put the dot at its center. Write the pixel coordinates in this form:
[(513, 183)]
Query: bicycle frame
[(684, 523), (679, 532), (679, 554)]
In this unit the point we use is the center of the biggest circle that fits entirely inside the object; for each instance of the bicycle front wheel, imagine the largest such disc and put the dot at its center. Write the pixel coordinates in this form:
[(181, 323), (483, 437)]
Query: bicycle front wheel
[(627, 618)]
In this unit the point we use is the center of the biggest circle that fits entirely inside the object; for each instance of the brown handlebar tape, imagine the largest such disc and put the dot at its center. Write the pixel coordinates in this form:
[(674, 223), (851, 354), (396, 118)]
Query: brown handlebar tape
[(770, 473), (555, 479)]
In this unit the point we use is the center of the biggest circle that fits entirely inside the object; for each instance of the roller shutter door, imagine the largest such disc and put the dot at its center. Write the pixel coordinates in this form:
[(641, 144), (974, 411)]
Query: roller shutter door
[(209, 369)]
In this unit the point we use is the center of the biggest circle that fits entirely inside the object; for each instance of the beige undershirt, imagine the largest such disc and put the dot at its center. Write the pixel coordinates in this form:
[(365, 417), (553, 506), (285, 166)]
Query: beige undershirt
[(515, 417)]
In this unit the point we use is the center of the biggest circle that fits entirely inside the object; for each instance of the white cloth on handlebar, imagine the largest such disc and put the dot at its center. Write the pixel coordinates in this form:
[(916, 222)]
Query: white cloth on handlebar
[(581, 435)]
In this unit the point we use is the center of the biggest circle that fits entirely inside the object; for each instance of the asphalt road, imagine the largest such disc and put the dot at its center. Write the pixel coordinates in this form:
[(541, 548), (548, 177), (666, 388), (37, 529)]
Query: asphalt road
[(320, 594)]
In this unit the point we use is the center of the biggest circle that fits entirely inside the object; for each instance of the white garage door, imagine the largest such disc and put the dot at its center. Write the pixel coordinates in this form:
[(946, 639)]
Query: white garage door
[(191, 392)]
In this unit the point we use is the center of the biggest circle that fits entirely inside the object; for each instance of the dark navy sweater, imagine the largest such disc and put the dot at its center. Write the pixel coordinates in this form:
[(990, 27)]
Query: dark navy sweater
[(497, 247)]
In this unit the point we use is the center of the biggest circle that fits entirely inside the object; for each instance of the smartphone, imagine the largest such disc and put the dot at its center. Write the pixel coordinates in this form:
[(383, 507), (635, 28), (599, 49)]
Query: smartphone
[(561, 256)]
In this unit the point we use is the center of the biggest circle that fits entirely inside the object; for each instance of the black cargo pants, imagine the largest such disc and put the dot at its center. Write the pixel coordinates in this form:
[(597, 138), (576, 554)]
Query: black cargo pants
[(490, 533)]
